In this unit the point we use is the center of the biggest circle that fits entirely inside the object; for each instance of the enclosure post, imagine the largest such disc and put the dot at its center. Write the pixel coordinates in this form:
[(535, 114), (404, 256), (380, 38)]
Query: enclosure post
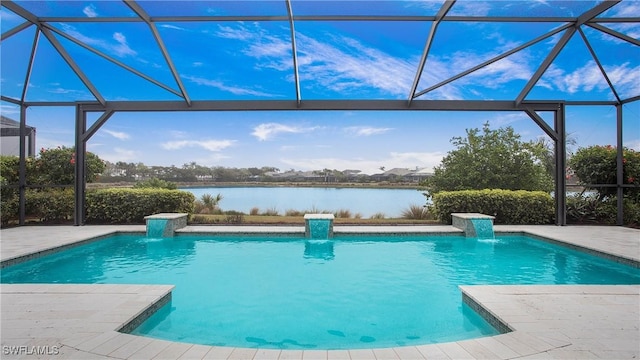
[(561, 156), (79, 187), (619, 168), (22, 173)]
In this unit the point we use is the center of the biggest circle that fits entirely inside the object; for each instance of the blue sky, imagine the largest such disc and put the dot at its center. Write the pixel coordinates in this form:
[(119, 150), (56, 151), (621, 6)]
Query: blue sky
[(234, 60)]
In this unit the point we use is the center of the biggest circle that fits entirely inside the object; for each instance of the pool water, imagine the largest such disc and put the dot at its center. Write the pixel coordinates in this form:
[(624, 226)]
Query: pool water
[(294, 293)]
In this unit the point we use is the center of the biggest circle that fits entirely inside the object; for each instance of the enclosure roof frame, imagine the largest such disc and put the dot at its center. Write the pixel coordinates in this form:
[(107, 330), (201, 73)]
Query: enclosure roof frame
[(568, 26)]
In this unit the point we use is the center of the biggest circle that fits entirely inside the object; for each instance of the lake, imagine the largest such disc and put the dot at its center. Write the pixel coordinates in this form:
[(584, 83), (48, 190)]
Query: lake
[(366, 202)]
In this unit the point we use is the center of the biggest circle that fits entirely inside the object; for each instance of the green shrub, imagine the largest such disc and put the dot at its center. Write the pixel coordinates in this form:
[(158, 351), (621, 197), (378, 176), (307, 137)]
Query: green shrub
[(508, 206), (416, 212), (52, 205), (587, 209), (234, 217), (342, 214), (130, 206), (597, 165), (9, 206)]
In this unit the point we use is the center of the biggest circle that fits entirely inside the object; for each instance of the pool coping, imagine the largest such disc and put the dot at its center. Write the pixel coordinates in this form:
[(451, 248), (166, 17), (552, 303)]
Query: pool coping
[(549, 342)]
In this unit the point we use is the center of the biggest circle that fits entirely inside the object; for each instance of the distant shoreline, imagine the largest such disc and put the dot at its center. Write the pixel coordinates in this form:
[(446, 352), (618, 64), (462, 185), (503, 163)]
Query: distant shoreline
[(301, 184), (193, 185), (380, 185)]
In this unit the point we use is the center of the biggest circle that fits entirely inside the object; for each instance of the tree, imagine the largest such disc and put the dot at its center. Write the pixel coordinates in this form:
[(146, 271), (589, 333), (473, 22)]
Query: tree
[(491, 159), (596, 165), (57, 166)]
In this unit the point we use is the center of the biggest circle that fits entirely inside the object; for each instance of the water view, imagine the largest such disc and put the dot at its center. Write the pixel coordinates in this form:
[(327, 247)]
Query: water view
[(366, 202)]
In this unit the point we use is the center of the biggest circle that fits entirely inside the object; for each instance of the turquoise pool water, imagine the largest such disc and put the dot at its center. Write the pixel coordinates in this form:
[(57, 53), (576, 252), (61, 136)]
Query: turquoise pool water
[(293, 293)]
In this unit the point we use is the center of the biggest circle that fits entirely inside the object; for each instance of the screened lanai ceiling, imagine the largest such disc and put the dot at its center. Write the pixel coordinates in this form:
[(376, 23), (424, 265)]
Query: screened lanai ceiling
[(102, 51)]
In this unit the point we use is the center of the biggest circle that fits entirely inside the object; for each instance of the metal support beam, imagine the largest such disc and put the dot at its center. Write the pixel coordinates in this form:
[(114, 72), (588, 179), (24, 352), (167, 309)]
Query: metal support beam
[(545, 64), (22, 171), (32, 57), (614, 33), (163, 49), (69, 60), (631, 99), (561, 156), (427, 46), (10, 100), (595, 58), (112, 60), (97, 125), (321, 105), (542, 124), (493, 60), (7, 34), (27, 15), (586, 16), (80, 167), (619, 168), (294, 50)]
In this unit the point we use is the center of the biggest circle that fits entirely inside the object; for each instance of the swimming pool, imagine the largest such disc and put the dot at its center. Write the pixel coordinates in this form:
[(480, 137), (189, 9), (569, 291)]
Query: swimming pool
[(357, 292)]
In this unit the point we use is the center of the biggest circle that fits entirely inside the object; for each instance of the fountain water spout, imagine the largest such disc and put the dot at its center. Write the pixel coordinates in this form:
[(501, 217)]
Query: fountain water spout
[(318, 226)]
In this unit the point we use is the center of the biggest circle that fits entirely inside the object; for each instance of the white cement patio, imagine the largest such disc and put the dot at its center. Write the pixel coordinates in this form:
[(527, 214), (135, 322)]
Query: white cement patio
[(549, 322)]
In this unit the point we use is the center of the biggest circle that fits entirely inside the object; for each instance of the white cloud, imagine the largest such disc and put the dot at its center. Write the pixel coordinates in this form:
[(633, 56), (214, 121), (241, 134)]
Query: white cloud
[(9, 109), (270, 130), (625, 78), (507, 119), (210, 145), (221, 86), (122, 49), (90, 11), (337, 63), (118, 46), (366, 130), (117, 134), (173, 27), (475, 8), (115, 154)]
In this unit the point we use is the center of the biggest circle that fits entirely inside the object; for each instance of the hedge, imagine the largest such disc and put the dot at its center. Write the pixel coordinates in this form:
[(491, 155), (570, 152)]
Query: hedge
[(130, 206), (590, 209), (56, 205), (105, 206), (519, 207)]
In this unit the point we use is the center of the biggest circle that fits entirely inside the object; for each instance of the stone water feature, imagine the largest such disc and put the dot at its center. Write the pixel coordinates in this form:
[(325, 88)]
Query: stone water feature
[(474, 225), (165, 224), (318, 226), (318, 229)]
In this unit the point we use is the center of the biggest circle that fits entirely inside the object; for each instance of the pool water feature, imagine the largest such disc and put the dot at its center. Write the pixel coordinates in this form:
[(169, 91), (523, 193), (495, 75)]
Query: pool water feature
[(277, 292), (483, 228), (318, 226), (156, 228)]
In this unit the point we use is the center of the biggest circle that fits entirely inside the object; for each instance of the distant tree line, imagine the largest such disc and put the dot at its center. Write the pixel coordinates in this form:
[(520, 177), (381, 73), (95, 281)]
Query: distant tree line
[(189, 172), (193, 172)]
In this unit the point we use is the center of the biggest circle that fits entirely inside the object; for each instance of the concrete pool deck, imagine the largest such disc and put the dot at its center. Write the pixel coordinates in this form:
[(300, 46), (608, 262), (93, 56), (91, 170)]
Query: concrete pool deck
[(548, 321)]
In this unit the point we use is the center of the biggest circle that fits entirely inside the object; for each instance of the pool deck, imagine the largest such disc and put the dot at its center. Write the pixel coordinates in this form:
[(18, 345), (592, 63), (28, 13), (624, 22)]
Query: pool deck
[(50, 321)]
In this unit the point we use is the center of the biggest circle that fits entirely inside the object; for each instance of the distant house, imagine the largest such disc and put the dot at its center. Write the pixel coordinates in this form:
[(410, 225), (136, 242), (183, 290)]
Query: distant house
[(10, 134), (403, 174), (420, 174)]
